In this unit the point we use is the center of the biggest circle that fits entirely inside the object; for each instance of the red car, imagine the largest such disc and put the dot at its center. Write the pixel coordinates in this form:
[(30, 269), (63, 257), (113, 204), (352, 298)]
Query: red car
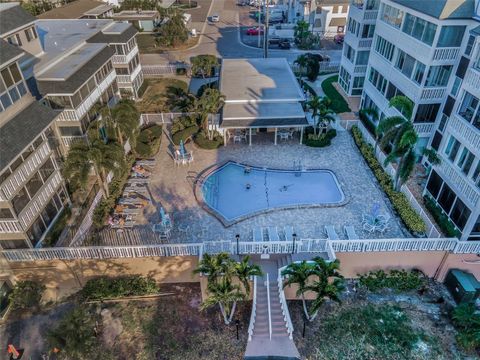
[(255, 31)]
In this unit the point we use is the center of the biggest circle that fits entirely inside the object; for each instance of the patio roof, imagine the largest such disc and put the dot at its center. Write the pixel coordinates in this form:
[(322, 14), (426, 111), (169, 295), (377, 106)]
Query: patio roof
[(263, 111), (264, 123)]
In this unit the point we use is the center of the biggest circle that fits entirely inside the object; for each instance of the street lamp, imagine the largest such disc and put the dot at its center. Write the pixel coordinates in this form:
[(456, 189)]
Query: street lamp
[(238, 246), (294, 236)]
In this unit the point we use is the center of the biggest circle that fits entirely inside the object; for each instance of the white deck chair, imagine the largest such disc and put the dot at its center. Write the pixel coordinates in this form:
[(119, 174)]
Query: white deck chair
[(258, 234), (330, 232), (273, 233), (350, 232)]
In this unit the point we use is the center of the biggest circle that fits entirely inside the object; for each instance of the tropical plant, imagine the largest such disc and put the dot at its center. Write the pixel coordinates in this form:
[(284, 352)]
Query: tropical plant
[(304, 39), (26, 294), (298, 273), (210, 102), (432, 156), (244, 271), (172, 32), (302, 62), (399, 132), (126, 121), (204, 65), (215, 266), (225, 294), (467, 321), (321, 112), (74, 336)]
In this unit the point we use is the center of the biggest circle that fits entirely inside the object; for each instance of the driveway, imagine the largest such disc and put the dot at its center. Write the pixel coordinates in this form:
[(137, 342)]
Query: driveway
[(222, 39)]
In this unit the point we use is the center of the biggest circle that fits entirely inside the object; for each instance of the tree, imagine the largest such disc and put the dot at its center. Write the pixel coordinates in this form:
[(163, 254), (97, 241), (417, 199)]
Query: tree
[(74, 335), (204, 65), (301, 32), (226, 295), (321, 111), (215, 266), (173, 32), (244, 271), (302, 62), (467, 321), (432, 156), (399, 132), (26, 294), (298, 273), (210, 102), (126, 120)]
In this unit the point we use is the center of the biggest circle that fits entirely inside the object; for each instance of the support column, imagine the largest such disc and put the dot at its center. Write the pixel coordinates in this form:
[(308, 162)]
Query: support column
[(301, 135), (275, 136), (250, 136)]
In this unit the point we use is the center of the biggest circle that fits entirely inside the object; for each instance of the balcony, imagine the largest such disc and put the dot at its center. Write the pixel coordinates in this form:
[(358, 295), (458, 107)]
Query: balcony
[(360, 69), (36, 205), (20, 176), (465, 132), (460, 185), (448, 55), (124, 59), (472, 78), (77, 114), (10, 226), (370, 15), (365, 43), (69, 140), (128, 79), (424, 129), (433, 94)]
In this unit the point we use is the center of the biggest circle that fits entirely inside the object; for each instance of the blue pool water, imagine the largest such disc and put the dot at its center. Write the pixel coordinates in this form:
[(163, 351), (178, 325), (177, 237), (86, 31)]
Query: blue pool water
[(234, 193)]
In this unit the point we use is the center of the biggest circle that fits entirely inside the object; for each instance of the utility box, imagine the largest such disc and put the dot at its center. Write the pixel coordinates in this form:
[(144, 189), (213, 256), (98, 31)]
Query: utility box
[(462, 285)]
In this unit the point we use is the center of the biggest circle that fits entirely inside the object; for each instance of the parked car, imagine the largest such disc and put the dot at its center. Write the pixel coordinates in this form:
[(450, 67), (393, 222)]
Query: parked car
[(215, 18), (255, 31), (339, 38), (285, 45)]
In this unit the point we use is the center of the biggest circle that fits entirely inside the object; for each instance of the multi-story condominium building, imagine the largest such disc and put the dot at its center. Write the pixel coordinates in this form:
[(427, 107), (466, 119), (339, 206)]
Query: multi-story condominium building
[(426, 51), (32, 192)]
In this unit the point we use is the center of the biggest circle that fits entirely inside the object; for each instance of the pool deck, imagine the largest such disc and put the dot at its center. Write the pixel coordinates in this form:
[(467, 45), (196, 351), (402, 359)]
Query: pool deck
[(172, 187)]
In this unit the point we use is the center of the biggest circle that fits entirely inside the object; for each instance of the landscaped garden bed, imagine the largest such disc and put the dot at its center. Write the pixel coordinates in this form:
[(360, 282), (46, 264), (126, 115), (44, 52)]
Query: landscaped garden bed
[(161, 95), (339, 105)]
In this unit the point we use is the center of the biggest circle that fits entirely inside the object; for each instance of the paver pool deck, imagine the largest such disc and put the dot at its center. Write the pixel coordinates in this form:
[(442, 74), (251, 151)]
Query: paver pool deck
[(172, 188)]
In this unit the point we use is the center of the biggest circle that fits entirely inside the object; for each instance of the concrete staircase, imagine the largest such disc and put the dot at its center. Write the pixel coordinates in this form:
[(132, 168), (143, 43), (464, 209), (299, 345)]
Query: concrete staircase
[(278, 346)]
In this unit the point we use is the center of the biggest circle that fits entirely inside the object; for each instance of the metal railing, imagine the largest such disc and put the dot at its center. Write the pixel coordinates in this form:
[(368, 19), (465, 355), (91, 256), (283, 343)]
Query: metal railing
[(283, 305), (446, 54), (268, 306), (253, 315), (473, 78), (381, 245)]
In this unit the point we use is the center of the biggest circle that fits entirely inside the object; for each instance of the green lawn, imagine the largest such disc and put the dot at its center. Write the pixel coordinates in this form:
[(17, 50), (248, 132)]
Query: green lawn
[(147, 44), (160, 95), (339, 105)]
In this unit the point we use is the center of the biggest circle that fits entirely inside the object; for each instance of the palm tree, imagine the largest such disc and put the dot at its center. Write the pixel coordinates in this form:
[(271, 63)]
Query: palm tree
[(226, 295), (244, 271), (210, 102), (302, 61), (298, 273), (126, 119), (400, 133), (321, 111), (215, 266)]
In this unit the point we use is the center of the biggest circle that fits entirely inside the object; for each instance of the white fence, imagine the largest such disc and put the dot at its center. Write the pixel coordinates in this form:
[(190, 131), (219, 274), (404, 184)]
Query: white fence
[(278, 247), (283, 305), (159, 70), (160, 118), (253, 315)]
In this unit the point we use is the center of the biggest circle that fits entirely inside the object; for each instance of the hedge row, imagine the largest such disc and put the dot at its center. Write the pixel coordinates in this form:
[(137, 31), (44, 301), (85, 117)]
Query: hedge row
[(111, 288), (399, 280), (204, 142), (184, 134), (442, 220), (409, 216)]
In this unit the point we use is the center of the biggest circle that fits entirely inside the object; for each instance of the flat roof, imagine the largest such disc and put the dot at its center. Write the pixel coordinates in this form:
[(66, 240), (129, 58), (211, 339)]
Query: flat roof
[(264, 123), (442, 9), (263, 111), (258, 80), (76, 10), (137, 15)]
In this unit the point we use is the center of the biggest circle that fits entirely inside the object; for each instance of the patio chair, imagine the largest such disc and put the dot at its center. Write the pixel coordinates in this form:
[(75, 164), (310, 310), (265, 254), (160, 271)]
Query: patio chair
[(330, 232), (273, 233), (368, 227), (350, 232), (258, 234)]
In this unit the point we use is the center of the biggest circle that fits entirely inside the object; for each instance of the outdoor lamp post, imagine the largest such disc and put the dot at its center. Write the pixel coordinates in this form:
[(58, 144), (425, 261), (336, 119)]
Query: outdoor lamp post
[(238, 246), (294, 236), (237, 324)]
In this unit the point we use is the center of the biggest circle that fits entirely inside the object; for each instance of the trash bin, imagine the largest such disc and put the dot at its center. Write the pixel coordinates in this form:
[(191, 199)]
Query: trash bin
[(463, 286)]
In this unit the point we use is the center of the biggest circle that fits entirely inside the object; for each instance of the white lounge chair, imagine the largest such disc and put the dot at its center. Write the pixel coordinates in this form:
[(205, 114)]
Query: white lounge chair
[(258, 234), (273, 233), (350, 232), (330, 232)]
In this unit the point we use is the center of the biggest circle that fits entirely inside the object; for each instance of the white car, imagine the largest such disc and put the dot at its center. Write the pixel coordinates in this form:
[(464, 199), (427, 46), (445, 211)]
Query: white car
[(215, 18)]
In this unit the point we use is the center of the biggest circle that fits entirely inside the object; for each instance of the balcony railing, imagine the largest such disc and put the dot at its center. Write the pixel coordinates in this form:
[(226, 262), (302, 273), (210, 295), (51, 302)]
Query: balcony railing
[(125, 59), (36, 205), (69, 140), (370, 14), (446, 54), (10, 226), (77, 114), (20, 176), (473, 78), (365, 43), (470, 192), (433, 94), (424, 129), (360, 69), (128, 79), (464, 131)]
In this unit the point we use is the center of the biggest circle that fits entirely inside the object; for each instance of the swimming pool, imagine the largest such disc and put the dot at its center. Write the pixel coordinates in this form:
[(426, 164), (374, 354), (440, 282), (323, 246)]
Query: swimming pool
[(235, 191)]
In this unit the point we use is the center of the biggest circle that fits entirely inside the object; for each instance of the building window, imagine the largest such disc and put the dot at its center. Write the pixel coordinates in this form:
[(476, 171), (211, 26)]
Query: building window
[(384, 48), (460, 214), (456, 86), (348, 52), (469, 109), (392, 16), (358, 82), (419, 29), (476, 62), (465, 161), (446, 198), (6, 213), (353, 26), (451, 36), (443, 122), (362, 57), (426, 113), (377, 80), (476, 175), (46, 170), (34, 184), (20, 200), (434, 184), (475, 234), (469, 47), (70, 131), (405, 63), (36, 231), (438, 76), (368, 31), (437, 139), (451, 150)]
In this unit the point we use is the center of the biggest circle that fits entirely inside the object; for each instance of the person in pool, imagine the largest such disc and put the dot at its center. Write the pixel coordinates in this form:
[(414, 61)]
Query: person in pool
[(248, 186)]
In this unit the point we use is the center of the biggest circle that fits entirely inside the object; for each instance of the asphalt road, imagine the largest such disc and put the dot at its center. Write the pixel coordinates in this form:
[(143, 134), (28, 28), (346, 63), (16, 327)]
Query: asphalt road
[(223, 40)]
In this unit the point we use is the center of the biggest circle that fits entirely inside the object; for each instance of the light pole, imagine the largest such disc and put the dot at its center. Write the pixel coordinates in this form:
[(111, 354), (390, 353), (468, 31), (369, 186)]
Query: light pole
[(237, 324), (294, 236), (265, 32), (238, 246)]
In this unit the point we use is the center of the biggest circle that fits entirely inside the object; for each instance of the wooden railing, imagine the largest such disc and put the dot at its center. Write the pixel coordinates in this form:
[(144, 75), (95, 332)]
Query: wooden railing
[(253, 315), (283, 305)]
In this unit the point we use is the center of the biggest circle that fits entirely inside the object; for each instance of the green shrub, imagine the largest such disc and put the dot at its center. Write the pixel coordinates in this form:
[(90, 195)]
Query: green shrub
[(202, 141), (398, 280), (148, 141), (184, 134), (409, 216), (183, 123), (442, 220), (56, 230), (467, 321), (181, 71), (26, 295), (319, 140), (110, 288), (201, 89), (339, 105)]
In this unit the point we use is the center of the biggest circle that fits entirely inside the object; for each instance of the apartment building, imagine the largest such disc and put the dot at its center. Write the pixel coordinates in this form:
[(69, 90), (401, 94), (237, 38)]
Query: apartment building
[(329, 17), (426, 51), (32, 192)]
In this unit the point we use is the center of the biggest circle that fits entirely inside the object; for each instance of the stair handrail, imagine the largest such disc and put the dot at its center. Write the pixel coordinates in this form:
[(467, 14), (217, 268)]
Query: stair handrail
[(269, 310), (283, 305), (253, 315)]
